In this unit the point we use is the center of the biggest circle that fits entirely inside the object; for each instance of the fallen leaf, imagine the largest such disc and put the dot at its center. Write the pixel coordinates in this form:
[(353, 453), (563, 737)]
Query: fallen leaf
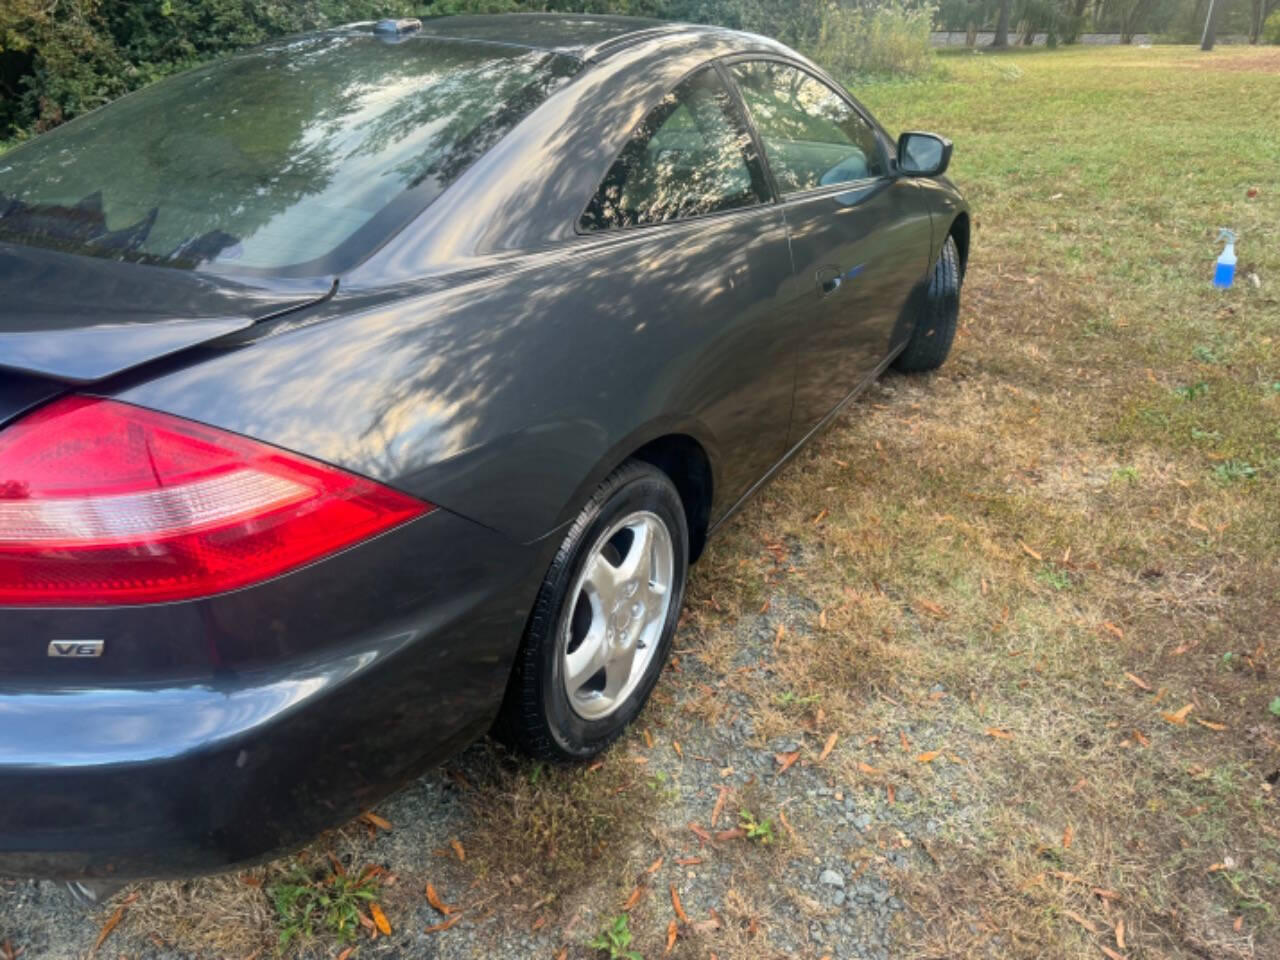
[(1138, 735), (1180, 717), (737, 833), (1105, 894), (828, 747), (433, 898), (380, 919), (459, 849), (1120, 933), (345, 954), (648, 738), (677, 906), (112, 922), (1138, 682), (700, 833), (933, 608), (869, 770), (654, 867), (632, 900), (782, 816), (782, 632), (688, 861), (1083, 921), (786, 760), (928, 756), (671, 937), (998, 734), (1112, 629), (675, 745), (441, 927), (1216, 868), (564, 953), (902, 738), (719, 805), (822, 515), (1029, 552), (1239, 923), (1111, 953), (7, 951), (1067, 836), (1210, 725), (822, 619), (375, 821)]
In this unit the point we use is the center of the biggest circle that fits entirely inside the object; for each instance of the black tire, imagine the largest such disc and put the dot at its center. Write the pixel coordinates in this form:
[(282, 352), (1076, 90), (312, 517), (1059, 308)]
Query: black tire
[(931, 339), (537, 717)]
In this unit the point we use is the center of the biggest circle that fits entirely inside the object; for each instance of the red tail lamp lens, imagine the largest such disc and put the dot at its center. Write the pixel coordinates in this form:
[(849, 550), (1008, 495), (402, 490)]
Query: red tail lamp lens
[(105, 503)]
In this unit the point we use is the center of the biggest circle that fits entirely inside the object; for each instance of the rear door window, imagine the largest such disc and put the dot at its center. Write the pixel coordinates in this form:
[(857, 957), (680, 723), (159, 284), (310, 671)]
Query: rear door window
[(812, 136), (691, 156)]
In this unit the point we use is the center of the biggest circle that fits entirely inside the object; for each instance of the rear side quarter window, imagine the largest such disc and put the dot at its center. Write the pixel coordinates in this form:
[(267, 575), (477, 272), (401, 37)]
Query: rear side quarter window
[(692, 155)]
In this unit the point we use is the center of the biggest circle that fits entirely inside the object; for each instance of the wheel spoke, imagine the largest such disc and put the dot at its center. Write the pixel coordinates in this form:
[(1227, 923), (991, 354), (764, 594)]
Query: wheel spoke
[(638, 563), (617, 672), (604, 581), (588, 659)]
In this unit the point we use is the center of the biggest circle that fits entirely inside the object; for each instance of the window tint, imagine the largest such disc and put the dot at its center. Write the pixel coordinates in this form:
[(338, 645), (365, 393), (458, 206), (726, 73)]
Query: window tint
[(812, 137), (274, 158), (691, 155)]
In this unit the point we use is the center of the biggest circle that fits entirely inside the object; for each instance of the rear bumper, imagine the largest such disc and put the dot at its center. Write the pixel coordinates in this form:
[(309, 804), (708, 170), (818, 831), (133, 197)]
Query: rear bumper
[(193, 769)]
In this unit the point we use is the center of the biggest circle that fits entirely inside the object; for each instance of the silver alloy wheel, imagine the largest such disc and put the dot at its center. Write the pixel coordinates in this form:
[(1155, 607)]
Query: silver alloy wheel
[(617, 609)]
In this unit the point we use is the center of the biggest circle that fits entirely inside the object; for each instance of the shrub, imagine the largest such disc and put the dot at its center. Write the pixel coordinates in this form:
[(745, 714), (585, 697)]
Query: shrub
[(1271, 29), (888, 40)]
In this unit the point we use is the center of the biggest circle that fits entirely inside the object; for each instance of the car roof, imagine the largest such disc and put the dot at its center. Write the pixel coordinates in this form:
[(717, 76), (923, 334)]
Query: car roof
[(582, 35)]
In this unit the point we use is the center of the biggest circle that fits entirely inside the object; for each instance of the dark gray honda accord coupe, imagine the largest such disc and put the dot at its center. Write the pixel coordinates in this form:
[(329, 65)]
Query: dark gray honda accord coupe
[(375, 388)]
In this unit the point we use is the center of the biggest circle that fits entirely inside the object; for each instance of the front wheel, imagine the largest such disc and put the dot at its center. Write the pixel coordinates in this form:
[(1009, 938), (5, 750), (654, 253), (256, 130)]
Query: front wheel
[(603, 622), (931, 339)]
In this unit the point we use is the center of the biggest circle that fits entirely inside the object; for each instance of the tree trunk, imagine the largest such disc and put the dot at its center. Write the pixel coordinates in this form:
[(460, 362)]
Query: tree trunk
[(1001, 39), (1211, 24)]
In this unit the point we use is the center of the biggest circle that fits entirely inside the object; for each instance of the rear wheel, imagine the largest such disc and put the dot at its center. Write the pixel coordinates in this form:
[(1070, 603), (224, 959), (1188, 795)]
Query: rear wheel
[(602, 625), (931, 340)]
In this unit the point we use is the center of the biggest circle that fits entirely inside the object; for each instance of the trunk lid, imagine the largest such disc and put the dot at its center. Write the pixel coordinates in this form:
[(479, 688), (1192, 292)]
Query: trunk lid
[(78, 319)]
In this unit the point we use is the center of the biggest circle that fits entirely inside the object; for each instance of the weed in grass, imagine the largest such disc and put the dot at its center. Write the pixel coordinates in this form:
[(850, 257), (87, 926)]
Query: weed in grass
[(1054, 577), (308, 904), (1206, 354), (1234, 470), (1274, 707), (761, 831), (1193, 391), (616, 939), (1125, 474)]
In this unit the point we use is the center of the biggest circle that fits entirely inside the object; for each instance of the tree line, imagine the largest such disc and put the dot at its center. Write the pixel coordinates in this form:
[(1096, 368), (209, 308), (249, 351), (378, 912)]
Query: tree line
[(59, 58)]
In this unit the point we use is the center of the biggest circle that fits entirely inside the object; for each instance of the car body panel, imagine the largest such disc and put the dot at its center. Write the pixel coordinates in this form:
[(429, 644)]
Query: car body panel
[(80, 319), (871, 244), (217, 730)]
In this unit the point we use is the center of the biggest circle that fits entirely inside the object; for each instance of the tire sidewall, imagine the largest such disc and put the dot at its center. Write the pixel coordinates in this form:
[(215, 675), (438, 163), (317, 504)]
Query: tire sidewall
[(573, 734)]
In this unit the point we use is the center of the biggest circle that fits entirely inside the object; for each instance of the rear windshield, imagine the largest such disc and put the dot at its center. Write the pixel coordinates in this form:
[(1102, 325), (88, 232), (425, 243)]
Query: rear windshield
[(300, 157)]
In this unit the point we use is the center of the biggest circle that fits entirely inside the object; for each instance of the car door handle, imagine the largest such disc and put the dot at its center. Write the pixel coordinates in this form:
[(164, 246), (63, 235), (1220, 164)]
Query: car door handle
[(829, 280)]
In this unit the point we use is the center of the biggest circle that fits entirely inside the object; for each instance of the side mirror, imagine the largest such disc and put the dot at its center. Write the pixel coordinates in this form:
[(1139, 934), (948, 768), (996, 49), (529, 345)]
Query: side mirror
[(923, 154)]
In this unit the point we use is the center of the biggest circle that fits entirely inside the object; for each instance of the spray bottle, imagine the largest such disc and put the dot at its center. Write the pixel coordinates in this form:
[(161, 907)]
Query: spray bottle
[(1225, 271)]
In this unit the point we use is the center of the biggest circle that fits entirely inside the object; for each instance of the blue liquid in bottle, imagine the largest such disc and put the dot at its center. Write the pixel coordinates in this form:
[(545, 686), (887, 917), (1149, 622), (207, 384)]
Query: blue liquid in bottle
[(1225, 271)]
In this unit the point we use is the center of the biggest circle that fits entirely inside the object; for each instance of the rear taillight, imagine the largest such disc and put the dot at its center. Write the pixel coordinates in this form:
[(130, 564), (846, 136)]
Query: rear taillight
[(106, 503)]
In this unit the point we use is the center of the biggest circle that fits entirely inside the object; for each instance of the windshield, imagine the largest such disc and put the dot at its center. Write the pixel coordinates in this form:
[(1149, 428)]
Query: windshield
[(302, 156)]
